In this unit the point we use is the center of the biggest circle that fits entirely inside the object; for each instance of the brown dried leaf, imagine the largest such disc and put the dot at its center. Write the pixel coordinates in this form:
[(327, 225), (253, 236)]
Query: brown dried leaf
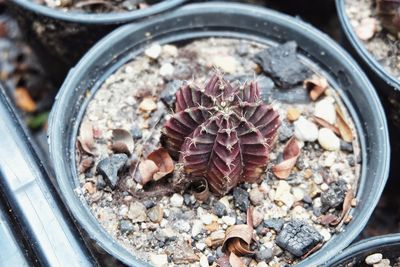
[(235, 261), (238, 239), (85, 164), (290, 155), (200, 189), (85, 137), (122, 141), (163, 161), (147, 169), (327, 219), (24, 100), (343, 126), (326, 124), (346, 206), (317, 86)]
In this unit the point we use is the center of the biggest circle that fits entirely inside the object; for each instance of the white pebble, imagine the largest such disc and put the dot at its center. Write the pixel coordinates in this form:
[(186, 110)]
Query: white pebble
[(328, 140), (160, 260), (325, 109), (330, 159), (170, 50), (305, 130), (197, 227), (200, 246), (176, 200), (153, 51), (167, 70), (373, 258), (226, 63), (326, 234), (283, 194), (229, 220), (204, 261), (207, 218)]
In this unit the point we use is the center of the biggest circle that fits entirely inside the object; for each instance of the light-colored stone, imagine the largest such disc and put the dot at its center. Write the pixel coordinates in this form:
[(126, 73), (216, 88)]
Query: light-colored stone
[(204, 261), (229, 220), (293, 113), (326, 234), (225, 200), (155, 214), (226, 63), (328, 140), (330, 159), (153, 51), (256, 196), (167, 70), (176, 200), (383, 263), (366, 29), (137, 212), (147, 104), (305, 130), (325, 109), (197, 227), (373, 258), (262, 264), (298, 193), (159, 260), (283, 194), (170, 50), (208, 218)]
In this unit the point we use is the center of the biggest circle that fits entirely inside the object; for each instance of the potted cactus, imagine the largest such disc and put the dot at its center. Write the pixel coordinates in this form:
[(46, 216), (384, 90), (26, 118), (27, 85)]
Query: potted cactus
[(199, 143)]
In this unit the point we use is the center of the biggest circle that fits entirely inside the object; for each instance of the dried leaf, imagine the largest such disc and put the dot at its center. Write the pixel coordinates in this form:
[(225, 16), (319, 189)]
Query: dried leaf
[(85, 164), (122, 141), (344, 128), (24, 100), (200, 189), (147, 169), (235, 261), (317, 86), (346, 206), (327, 219), (290, 155), (163, 161), (238, 239), (326, 124), (85, 137)]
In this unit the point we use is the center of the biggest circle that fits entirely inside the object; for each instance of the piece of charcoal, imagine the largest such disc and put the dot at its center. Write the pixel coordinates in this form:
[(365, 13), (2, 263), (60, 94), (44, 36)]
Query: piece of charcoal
[(334, 196), (241, 198), (109, 168), (282, 64), (298, 238), (168, 95), (274, 223)]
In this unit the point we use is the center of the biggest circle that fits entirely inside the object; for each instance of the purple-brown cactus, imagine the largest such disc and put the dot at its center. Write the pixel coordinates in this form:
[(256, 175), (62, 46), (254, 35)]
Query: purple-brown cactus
[(222, 132), (389, 13)]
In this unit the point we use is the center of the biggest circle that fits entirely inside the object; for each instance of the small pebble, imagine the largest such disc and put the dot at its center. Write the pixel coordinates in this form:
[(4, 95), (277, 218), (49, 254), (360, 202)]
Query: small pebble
[(285, 131), (204, 261), (256, 196), (264, 254), (274, 223), (226, 63), (229, 220), (137, 212), (373, 258), (293, 113), (328, 140), (159, 260), (176, 200), (197, 227), (220, 209), (166, 70), (283, 194), (148, 104), (366, 29), (241, 198), (305, 130), (153, 51), (125, 226), (155, 214), (325, 109)]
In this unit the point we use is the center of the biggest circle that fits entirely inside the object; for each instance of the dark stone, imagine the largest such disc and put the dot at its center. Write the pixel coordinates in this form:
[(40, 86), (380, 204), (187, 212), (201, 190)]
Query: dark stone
[(277, 251), (285, 131), (275, 224), (219, 252), (220, 209), (161, 244), (344, 146), (167, 95), (334, 196), (298, 238), (264, 254), (211, 259), (109, 168), (125, 226), (282, 65), (100, 184), (148, 203), (186, 199), (351, 160), (307, 199), (300, 163), (241, 198), (136, 132)]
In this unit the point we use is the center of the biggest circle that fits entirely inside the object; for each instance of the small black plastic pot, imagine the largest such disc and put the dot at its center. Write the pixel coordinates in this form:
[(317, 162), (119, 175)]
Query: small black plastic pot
[(388, 245), (388, 86), (221, 20), (61, 38)]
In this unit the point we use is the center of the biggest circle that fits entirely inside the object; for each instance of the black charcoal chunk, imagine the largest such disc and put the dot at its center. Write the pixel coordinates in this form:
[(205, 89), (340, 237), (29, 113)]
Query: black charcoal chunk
[(109, 168), (334, 196), (298, 238), (282, 64), (168, 95)]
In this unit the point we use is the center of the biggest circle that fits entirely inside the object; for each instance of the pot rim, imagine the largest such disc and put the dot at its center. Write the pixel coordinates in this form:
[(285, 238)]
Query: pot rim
[(199, 8), (102, 18), (360, 48), (372, 242)]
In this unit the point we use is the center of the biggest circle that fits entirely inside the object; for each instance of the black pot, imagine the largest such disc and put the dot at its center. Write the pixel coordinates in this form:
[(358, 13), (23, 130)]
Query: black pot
[(387, 85), (61, 38), (223, 20), (388, 245)]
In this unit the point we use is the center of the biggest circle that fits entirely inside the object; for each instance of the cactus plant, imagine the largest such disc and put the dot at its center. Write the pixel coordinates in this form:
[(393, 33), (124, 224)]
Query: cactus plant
[(222, 132)]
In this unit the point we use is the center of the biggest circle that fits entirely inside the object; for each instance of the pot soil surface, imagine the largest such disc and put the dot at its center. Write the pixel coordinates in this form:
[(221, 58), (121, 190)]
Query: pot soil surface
[(291, 216), (366, 24)]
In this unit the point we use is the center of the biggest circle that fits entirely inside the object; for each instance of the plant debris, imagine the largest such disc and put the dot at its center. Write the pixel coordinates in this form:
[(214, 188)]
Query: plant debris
[(290, 156)]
